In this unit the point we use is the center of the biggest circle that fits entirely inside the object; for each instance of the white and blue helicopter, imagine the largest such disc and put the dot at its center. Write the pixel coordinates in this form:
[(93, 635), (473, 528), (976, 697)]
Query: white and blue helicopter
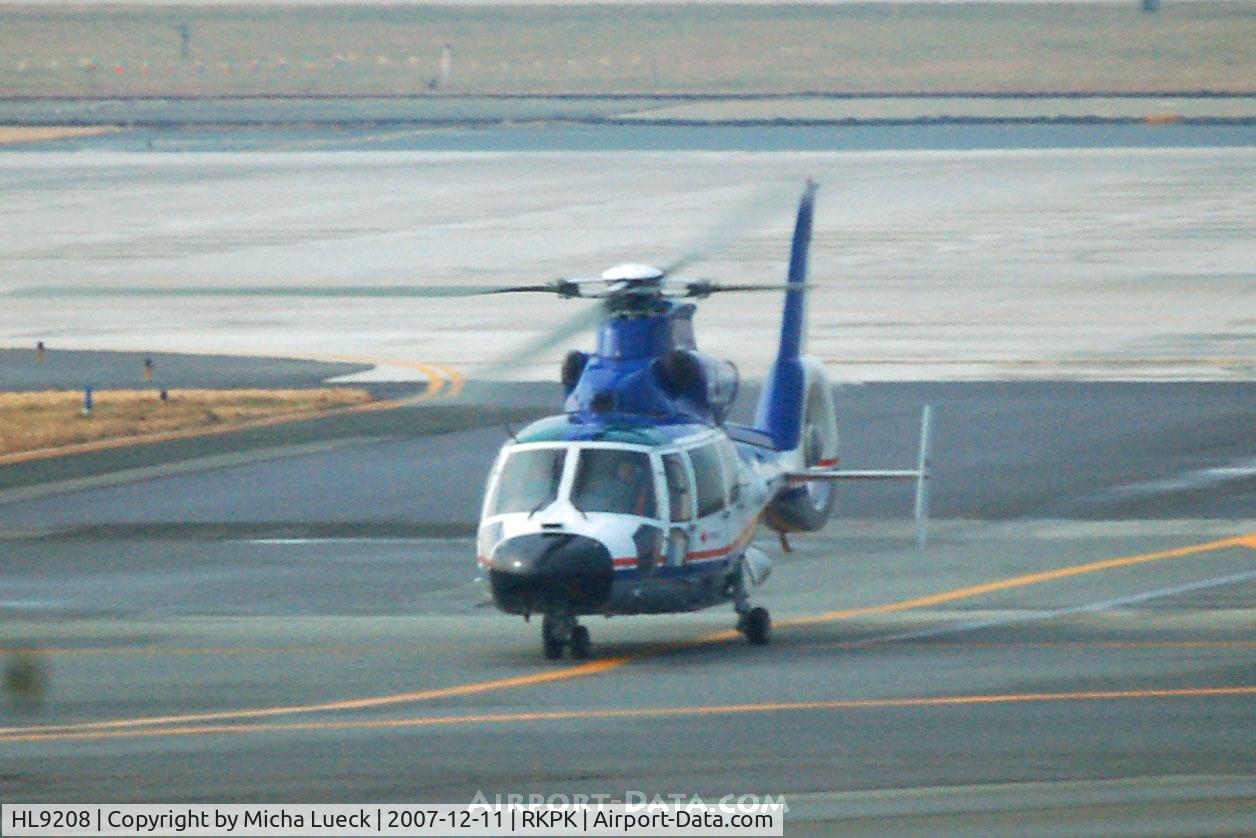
[(641, 498)]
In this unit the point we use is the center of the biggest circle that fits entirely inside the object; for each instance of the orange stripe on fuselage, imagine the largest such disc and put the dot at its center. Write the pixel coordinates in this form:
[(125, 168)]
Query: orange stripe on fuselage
[(720, 552)]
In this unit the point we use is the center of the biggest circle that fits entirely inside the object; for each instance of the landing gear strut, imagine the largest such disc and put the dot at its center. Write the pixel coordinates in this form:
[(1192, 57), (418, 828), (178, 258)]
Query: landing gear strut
[(559, 631), (755, 623)]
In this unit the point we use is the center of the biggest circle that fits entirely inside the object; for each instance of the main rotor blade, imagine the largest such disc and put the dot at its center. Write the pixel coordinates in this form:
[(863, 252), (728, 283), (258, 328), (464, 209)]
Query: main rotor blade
[(364, 291), (702, 289), (572, 327), (747, 216)]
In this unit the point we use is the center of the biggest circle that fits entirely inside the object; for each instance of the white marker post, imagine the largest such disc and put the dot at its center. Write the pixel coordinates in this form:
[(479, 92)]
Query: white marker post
[(922, 478)]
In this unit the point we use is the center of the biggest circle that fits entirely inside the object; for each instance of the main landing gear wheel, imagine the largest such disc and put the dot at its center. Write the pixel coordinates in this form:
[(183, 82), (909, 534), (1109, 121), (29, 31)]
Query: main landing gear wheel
[(558, 632), (580, 643), (756, 624)]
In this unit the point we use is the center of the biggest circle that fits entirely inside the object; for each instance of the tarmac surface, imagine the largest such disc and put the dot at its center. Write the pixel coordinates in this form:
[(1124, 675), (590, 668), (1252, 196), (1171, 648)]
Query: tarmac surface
[(1167, 116), (204, 634), (23, 369), (290, 615)]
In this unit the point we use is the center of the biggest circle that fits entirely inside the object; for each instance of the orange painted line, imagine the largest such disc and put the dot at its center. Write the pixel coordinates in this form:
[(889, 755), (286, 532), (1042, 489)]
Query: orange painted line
[(608, 664), (347, 649), (1024, 581), (1048, 644), (359, 649), (157, 651), (659, 712)]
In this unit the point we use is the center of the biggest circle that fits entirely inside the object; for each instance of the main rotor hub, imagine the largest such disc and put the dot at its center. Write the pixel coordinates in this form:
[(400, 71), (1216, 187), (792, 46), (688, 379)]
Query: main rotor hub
[(632, 272)]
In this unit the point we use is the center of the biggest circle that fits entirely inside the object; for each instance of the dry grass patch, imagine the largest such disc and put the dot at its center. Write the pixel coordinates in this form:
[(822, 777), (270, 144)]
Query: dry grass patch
[(12, 134), (32, 421), (127, 50)]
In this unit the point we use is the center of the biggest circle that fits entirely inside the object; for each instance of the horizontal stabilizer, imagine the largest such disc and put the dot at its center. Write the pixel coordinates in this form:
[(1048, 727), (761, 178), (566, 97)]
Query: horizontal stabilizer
[(920, 474), (852, 474)]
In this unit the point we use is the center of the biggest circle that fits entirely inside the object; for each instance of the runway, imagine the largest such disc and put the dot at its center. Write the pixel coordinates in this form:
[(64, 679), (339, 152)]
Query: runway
[(290, 614), (990, 262)]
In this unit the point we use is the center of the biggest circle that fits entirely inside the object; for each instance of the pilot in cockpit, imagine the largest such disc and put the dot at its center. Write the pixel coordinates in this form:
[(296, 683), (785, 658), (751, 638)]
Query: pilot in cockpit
[(608, 480)]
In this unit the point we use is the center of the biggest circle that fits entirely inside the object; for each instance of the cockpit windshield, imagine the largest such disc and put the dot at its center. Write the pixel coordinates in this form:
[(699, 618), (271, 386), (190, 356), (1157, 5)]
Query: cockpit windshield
[(614, 480), (529, 480)]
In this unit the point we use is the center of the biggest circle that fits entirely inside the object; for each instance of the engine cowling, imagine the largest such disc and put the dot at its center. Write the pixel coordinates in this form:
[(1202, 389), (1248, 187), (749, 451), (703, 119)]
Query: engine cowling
[(573, 367), (807, 507), (705, 381)]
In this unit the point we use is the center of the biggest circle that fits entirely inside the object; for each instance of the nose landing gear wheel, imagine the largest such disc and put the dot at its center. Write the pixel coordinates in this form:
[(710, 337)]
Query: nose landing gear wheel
[(553, 648), (559, 631)]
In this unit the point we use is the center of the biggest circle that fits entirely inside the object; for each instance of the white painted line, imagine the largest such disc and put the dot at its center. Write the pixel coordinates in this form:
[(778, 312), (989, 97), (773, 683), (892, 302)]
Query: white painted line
[(300, 542), (1033, 616), (383, 374), (1201, 479)]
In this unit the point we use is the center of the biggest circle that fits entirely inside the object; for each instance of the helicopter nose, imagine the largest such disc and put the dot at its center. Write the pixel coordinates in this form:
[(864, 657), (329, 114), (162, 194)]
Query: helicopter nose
[(551, 571)]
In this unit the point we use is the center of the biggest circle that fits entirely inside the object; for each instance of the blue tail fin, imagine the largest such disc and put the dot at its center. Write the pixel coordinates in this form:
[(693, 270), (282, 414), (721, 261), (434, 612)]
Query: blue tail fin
[(780, 411)]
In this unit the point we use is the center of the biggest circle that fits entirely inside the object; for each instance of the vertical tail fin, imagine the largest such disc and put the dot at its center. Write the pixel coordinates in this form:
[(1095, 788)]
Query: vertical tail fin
[(780, 411)]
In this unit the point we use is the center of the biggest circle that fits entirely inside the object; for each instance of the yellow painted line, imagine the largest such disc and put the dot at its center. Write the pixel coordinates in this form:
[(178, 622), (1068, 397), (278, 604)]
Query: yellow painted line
[(659, 712), (328, 142), (580, 671), (456, 380), (608, 664), (436, 382), (439, 375)]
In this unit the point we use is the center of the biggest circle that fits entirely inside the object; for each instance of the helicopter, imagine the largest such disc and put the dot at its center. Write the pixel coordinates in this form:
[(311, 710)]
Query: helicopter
[(641, 497)]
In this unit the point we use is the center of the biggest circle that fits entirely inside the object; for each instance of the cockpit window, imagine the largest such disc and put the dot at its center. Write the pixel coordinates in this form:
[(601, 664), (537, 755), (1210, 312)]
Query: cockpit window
[(529, 480), (611, 480)]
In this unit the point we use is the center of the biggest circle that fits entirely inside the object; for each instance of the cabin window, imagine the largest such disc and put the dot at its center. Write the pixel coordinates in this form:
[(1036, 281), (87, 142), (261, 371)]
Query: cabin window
[(529, 480), (731, 462), (613, 480), (710, 479), (679, 492)]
